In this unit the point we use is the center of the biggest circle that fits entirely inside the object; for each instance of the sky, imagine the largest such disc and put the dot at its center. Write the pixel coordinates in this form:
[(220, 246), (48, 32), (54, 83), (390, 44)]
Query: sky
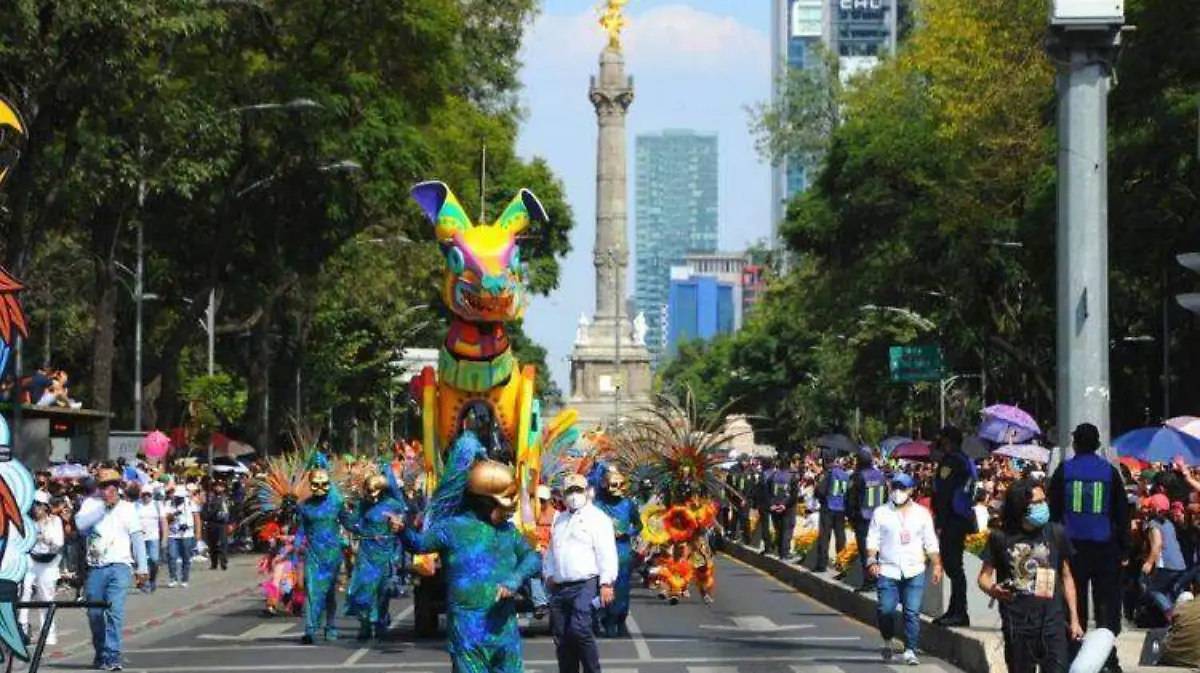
[(696, 65)]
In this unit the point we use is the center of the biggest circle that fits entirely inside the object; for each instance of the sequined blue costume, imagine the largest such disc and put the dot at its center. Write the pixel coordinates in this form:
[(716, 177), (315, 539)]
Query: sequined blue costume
[(320, 535), (378, 550), (627, 525), (478, 557)]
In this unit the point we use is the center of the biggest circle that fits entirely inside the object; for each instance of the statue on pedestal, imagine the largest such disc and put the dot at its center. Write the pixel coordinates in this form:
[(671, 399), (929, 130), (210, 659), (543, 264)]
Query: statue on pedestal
[(639, 329), (581, 332)]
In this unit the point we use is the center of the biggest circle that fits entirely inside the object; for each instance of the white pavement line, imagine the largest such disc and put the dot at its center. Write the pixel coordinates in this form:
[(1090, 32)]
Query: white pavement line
[(789, 639), (417, 667), (260, 632), (358, 654), (827, 668), (712, 669), (923, 668), (639, 642), (755, 624)]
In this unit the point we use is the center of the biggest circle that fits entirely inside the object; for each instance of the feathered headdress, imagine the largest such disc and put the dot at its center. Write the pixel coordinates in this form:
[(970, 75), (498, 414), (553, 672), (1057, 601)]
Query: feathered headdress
[(277, 492), (668, 437)]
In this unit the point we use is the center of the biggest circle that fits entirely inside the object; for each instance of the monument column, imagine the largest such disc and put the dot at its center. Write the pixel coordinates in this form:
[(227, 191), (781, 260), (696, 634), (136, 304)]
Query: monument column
[(611, 95)]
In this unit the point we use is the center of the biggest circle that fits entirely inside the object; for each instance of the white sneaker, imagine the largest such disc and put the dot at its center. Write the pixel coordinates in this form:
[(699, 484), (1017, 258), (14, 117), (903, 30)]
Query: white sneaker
[(172, 584), (184, 585), (887, 652), (52, 639), (910, 658)]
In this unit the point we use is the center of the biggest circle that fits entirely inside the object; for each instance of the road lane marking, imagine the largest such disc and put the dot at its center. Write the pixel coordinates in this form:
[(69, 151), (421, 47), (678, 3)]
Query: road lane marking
[(639, 642), (817, 669), (755, 624), (923, 668), (417, 667), (260, 632), (712, 669), (358, 654), (804, 598)]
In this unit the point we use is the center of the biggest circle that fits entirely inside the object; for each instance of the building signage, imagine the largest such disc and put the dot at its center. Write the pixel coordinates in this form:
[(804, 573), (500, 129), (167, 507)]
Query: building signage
[(868, 5)]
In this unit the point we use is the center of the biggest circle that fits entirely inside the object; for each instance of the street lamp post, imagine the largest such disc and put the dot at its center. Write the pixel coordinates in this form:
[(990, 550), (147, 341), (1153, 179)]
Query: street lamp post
[(138, 289)]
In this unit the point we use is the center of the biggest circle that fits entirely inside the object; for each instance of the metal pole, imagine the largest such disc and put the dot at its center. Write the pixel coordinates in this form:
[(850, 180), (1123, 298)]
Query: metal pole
[(942, 398), (138, 297), (212, 329), (1085, 64)]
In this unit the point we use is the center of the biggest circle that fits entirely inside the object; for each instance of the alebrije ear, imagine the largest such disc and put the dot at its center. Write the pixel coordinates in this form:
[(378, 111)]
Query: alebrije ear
[(442, 209), (523, 209)]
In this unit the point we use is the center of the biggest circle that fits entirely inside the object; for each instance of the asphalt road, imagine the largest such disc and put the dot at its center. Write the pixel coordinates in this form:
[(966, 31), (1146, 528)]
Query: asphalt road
[(757, 625)]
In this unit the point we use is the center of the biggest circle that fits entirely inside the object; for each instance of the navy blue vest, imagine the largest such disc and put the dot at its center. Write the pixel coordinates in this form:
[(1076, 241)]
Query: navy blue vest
[(873, 492), (835, 490), (1087, 489), (780, 488), (963, 499)]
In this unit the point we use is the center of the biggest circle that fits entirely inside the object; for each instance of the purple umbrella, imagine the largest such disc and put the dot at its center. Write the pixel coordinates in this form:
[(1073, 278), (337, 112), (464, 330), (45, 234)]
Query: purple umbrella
[(914, 449), (1030, 452), (1006, 424)]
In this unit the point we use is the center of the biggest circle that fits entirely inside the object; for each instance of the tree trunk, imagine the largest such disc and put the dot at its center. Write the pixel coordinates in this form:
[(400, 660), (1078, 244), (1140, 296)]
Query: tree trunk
[(258, 416), (103, 340)]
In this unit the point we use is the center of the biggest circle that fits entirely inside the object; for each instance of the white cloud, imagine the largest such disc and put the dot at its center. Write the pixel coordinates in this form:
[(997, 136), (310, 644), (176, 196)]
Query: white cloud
[(673, 37)]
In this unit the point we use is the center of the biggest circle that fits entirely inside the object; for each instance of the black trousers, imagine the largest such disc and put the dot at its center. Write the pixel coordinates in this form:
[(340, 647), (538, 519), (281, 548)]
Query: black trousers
[(784, 524), (1030, 651), (216, 537), (834, 522), (571, 622), (1098, 566), (740, 530), (861, 526), (953, 543)]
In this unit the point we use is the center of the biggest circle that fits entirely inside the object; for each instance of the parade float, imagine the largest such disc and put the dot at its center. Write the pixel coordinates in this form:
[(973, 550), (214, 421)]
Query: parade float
[(480, 401)]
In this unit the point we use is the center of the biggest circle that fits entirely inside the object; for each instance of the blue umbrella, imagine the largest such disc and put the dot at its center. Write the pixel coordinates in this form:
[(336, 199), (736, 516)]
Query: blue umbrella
[(1158, 445)]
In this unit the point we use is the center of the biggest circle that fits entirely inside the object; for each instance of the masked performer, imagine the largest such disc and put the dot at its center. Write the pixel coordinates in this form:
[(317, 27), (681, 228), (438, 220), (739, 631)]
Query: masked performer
[(321, 518), (486, 560), (378, 549), (627, 524)]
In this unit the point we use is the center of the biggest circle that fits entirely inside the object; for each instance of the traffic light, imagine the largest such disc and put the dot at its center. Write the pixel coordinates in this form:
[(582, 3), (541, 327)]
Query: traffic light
[(1190, 300)]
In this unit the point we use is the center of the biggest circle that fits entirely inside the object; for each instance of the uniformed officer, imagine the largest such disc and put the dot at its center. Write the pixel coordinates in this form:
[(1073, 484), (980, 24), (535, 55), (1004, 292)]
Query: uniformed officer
[(954, 516), (867, 491), (783, 493), (1087, 495), (741, 480), (762, 502), (831, 492)]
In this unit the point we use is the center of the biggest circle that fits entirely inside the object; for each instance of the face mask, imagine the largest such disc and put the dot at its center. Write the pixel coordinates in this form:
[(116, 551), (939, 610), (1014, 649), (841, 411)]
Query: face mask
[(1037, 515), (899, 497), (575, 501)]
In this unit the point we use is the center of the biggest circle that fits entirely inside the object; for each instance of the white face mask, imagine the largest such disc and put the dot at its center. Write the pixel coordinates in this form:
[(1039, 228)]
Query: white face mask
[(899, 497), (576, 500)]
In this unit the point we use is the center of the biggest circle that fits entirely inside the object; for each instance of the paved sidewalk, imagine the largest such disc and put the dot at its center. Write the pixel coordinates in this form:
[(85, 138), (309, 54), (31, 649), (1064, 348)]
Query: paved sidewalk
[(143, 612)]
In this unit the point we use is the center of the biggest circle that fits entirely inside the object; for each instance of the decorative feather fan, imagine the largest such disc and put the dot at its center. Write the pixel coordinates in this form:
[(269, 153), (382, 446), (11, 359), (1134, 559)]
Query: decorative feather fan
[(667, 437), (277, 492)]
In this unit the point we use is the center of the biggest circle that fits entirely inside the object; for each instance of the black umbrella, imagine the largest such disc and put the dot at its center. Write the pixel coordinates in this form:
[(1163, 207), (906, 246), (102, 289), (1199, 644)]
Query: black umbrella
[(837, 443)]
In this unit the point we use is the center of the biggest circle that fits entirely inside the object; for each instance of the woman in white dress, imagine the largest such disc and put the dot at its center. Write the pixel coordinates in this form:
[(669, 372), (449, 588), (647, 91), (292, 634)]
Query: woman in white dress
[(45, 558)]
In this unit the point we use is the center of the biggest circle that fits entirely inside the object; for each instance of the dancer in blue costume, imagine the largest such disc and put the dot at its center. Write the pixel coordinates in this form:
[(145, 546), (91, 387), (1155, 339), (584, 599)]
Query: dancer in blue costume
[(321, 519), (378, 548), (627, 524), (486, 560)]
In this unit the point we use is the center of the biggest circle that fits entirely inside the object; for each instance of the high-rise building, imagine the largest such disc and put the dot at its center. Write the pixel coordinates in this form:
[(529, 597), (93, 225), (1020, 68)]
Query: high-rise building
[(676, 208), (859, 32), (700, 307)]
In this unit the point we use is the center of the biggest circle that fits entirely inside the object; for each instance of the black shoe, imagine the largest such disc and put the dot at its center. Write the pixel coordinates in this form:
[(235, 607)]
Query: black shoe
[(949, 620), (307, 639), (622, 631), (540, 612)]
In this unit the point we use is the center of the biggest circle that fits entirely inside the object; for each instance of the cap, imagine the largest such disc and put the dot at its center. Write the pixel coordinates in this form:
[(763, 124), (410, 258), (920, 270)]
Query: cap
[(1158, 503), (107, 476), (179, 492), (543, 492), (903, 480), (41, 497), (575, 481)]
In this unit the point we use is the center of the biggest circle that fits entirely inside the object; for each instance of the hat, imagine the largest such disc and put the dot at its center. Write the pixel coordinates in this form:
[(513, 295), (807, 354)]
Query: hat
[(180, 492), (903, 481), (575, 481), (107, 476), (543, 492), (41, 497), (1158, 503)]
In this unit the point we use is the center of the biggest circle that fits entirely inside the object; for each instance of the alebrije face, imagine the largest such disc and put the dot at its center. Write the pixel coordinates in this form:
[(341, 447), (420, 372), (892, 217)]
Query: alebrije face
[(483, 279)]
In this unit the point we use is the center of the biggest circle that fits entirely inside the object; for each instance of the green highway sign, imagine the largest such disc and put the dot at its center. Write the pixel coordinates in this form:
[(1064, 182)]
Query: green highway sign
[(911, 364)]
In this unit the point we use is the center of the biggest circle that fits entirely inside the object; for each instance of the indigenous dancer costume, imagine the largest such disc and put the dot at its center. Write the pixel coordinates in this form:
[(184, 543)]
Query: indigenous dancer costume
[(320, 538), (486, 560), (627, 525), (678, 453), (378, 550)]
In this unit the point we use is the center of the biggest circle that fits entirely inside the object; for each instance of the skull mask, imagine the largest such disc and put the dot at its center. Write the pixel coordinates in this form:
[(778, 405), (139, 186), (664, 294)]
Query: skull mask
[(614, 483), (318, 481)]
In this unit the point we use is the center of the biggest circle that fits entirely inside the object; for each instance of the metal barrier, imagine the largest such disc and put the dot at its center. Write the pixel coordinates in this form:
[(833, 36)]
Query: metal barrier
[(51, 607)]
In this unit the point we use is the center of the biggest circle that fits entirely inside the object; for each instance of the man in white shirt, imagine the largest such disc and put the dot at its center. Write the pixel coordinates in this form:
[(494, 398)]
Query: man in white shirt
[(183, 519), (114, 547), (580, 562), (901, 536)]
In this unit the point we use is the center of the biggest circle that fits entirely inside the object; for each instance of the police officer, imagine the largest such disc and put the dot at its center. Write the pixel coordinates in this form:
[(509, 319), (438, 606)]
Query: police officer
[(867, 491), (831, 493), (784, 492), (762, 502), (741, 479), (1087, 495), (954, 516)]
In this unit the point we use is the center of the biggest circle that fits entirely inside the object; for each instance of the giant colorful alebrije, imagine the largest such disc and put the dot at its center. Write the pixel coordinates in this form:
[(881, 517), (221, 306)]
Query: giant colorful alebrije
[(17, 530), (484, 287)]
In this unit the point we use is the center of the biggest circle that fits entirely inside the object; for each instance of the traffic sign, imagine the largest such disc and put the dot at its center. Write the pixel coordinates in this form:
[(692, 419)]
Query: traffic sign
[(910, 364)]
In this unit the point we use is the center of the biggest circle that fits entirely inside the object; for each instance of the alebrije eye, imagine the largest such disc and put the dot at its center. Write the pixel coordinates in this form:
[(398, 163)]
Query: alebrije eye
[(514, 262), (456, 261)]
